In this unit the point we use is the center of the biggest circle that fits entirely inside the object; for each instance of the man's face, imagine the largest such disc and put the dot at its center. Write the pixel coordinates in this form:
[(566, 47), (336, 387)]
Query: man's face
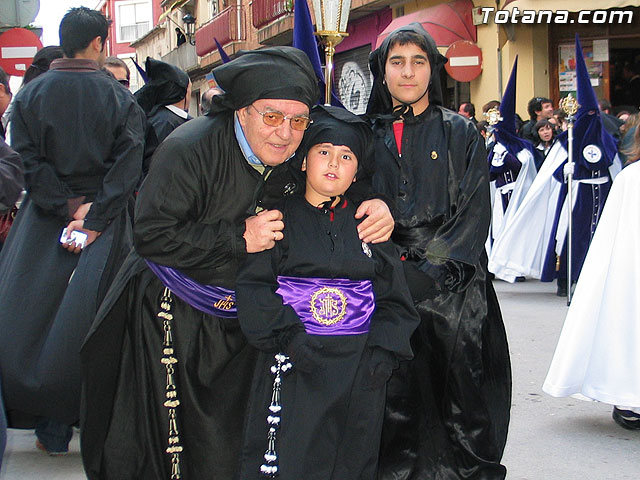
[(547, 110), (462, 112), (272, 145), (407, 75), (119, 72)]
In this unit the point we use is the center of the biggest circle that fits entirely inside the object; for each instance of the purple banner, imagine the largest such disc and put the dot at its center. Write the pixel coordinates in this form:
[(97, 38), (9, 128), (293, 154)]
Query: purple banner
[(217, 301), (329, 306)]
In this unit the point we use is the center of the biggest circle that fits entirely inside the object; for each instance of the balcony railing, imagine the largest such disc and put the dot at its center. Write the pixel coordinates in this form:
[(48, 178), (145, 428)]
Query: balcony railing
[(183, 56), (228, 26), (265, 11)]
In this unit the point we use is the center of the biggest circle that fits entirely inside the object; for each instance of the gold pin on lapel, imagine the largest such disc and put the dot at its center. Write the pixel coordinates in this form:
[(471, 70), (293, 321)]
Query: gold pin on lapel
[(434, 155)]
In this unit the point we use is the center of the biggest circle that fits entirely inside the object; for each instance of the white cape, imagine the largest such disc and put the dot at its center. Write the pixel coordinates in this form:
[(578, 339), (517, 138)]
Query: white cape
[(526, 175), (521, 247), (598, 352)]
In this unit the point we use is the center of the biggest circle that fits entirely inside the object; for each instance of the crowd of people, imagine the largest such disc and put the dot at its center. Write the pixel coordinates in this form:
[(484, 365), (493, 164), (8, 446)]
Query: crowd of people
[(271, 289)]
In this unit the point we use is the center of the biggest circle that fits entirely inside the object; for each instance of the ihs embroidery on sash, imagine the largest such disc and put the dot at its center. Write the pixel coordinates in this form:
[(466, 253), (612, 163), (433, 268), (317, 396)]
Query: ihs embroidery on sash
[(328, 305), (225, 303)]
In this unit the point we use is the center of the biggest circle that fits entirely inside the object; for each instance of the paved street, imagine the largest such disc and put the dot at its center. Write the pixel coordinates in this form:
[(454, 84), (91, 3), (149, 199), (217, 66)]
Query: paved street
[(549, 438)]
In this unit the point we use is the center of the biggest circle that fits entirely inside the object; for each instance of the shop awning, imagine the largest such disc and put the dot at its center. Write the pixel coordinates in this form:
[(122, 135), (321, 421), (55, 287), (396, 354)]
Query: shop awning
[(568, 5), (446, 23), (171, 8)]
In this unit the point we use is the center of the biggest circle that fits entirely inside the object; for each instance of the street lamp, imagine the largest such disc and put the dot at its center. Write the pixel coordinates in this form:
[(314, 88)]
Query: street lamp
[(331, 25), (190, 27)]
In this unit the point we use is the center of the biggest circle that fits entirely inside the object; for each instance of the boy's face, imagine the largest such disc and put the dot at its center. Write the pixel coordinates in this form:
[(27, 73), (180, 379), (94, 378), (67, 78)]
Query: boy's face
[(407, 75), (330, 170)]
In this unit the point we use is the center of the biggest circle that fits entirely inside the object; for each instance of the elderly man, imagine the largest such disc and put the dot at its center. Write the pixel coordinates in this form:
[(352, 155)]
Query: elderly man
[(168, 370), (119, 69), (448, 409), (79, 134)]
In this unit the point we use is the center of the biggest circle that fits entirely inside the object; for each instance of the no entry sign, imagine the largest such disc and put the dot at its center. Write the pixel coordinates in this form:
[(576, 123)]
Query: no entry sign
[(17, 48), (465, 61)]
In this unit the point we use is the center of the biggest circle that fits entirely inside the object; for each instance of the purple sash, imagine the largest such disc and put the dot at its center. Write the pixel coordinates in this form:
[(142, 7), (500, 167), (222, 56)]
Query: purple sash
[(217, 301), (329, 306)]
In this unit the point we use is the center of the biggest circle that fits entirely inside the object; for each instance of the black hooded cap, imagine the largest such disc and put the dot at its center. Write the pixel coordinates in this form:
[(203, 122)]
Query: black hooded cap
[(167, 85), (380, 101), (283, 73), (340, 127)]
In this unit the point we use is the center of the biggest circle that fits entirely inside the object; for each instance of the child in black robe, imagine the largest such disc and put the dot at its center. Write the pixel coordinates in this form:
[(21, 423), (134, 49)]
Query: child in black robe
[(332, 317)]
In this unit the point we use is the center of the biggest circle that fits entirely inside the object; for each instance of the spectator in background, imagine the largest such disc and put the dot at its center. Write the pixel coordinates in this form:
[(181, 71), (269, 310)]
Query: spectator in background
[(623, 115), (631, 121), (39, 65), (205, 99), (165, 99), (496, 104), (468, 110), (41, 62), (537, 108), (611, 123), (631, 87), (489, 105), (545, 133), (629, 130), (180, 37), (118, 69), (482, 128), (560, 120), (80, 137)]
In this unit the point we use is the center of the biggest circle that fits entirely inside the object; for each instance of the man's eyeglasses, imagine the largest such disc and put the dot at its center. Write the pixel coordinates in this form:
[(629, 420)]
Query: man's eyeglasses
[(275, 119), (124, 82)]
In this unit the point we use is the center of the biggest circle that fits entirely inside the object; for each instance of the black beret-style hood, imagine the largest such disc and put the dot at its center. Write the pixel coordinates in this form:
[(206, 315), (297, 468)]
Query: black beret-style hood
[(283, 73)]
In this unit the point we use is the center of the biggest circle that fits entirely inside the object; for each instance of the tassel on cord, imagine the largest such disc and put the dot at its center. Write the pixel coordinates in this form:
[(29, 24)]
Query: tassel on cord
[(270, 467), (174, 447)]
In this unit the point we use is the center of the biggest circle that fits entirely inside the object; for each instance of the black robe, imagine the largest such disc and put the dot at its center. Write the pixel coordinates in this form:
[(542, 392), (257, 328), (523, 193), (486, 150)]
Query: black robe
[(87, 148), (190, 215), (161, 122), (11, 177), (332, 417), (448, 409)]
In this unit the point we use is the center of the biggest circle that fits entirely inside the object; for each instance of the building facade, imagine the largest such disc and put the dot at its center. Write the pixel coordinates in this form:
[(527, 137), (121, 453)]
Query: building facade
[(502, 30)]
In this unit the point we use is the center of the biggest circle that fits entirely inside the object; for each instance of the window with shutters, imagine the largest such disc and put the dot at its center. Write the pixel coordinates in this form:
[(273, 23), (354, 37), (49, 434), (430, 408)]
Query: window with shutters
[(133, 20)]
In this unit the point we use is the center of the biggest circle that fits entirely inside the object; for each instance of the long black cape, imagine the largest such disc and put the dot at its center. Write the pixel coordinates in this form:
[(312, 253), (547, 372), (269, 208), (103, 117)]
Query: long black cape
[(448, 409)]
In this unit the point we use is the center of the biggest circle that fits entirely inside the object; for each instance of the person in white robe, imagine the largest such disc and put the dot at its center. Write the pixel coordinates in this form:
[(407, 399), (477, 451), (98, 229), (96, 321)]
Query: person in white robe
[(597, 354)]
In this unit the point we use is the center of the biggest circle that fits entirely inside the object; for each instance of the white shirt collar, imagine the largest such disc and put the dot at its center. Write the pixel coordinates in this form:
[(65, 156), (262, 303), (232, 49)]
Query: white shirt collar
[(178, 111)]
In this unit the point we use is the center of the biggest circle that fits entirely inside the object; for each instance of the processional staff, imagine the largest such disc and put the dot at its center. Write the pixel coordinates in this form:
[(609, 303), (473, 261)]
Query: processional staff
[(493, 117), (570, 106)]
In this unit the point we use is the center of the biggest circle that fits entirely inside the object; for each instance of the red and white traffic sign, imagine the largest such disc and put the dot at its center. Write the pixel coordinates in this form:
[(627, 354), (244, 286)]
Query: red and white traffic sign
[(17, 48), (465, 61)]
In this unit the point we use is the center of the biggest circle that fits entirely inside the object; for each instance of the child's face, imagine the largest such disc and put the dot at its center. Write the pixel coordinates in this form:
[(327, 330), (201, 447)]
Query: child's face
[(330, 170), (545, 133)]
